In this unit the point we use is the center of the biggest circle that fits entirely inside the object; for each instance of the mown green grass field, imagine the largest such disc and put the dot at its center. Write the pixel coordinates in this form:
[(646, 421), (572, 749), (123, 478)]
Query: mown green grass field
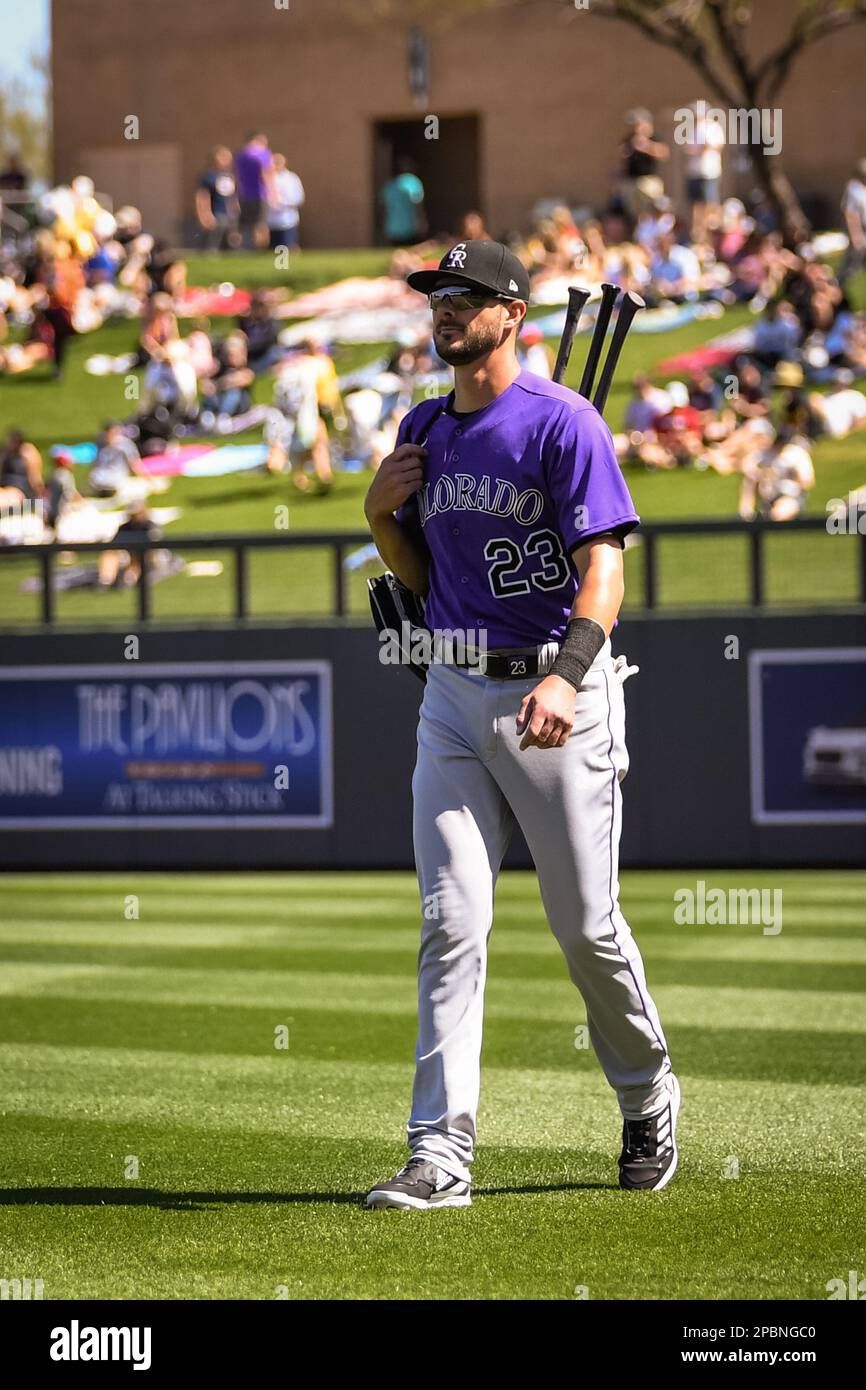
[(156, 1143), (694, 571)]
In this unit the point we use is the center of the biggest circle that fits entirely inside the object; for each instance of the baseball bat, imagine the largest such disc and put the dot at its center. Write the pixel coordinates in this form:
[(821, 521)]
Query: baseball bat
[(577, 298), (609, 295), (630, 305)]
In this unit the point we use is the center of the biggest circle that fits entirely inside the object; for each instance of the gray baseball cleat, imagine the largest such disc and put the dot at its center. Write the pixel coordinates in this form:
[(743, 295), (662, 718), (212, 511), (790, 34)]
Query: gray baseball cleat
[(420, 1186), (649, 1148)]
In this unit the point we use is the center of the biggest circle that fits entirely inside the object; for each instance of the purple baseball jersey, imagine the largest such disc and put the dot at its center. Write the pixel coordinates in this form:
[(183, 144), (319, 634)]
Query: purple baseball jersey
[(509, 492)]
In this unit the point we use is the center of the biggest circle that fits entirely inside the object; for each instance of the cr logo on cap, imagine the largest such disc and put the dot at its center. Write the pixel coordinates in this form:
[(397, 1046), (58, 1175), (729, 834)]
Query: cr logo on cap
[(457, 254)]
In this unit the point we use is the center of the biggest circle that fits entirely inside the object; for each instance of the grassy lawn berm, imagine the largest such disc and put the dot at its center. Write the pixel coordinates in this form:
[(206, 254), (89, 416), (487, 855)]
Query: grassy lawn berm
[(698, 571)]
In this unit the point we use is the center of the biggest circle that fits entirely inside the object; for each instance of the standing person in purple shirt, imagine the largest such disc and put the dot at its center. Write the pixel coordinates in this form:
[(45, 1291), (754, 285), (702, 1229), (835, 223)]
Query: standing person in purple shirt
[(255, 179), (503, 505)]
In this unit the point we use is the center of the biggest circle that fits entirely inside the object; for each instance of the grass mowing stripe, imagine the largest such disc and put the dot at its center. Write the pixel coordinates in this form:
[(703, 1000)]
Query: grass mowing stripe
[(329, 1033), (535, 1107), (778, 1009), (721, 944), (544, 963)]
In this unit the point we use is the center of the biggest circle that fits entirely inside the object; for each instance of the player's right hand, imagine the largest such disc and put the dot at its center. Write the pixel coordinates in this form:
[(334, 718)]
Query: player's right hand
[(399, 476)]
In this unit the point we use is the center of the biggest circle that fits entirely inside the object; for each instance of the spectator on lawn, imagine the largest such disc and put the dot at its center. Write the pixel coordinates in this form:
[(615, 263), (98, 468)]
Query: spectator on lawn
[(40, 344), (169, 376), (122, 566), (295, 431), (680, 431), (402, 197), (200, 349), (227, 393), (255, 181), (284, 214), (675, 271), (777, 335), (854, 213), (571, 245), (642, 157), (776, 480), (216, 202), (735, 230), (116, 462), (846, 340), (839, 412), (261, 331), (159, 328), (815, 295), (624, 264), (20, 470), (705, 395), (751, 400), (60, 491), (655, 219), (647, 406)]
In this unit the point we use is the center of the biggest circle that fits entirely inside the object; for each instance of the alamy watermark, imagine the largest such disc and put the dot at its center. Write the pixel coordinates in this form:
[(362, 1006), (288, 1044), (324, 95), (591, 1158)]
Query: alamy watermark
[(715, 907), (740, 125), (437, 646)]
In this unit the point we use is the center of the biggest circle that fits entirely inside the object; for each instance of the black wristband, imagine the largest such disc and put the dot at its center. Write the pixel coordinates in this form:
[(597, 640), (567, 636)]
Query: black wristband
[(583, 640)]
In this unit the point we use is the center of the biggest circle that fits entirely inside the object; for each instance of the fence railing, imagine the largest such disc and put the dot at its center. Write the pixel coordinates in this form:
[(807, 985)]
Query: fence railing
[(756, 532), (341, 542)]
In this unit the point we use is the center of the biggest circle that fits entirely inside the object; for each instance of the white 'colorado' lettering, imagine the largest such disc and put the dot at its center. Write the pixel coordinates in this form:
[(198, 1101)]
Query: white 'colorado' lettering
[(463, 493)]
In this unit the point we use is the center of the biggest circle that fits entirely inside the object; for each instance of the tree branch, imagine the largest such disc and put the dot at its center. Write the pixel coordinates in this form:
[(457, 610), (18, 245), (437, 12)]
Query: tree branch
[(679, 35), (815, 21)]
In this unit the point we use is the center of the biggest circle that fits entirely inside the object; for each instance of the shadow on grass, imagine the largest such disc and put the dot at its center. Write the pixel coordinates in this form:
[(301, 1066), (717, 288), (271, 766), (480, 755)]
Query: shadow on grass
[(200, 1201)]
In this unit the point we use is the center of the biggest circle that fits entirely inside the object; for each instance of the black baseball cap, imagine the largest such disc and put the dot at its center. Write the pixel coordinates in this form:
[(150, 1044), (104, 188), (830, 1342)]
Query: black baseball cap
[(480, 265)]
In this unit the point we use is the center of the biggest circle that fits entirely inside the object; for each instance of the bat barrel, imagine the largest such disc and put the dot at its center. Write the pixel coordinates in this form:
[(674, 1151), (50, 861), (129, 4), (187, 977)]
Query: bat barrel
[(631, 305), (609, 295), (577, 298)]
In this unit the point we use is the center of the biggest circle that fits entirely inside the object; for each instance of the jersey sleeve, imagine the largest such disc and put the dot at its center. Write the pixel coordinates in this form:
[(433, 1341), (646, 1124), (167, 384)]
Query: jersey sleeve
[(586, 484)]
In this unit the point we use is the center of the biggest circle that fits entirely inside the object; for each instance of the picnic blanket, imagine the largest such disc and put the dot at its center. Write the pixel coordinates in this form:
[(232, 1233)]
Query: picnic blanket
[(357, 292), (204, 460), (718, 352), (362, 326), (213, 301), (659, 320)]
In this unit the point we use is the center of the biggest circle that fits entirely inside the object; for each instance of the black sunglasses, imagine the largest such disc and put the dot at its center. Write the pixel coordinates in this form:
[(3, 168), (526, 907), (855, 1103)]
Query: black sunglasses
[(464, 299)]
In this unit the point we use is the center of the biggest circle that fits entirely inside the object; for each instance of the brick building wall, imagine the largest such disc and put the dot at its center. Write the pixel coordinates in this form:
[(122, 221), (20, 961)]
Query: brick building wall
[(545, 85)]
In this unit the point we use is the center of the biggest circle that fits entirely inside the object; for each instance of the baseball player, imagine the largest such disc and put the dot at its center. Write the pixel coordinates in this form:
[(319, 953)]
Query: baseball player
[(503, 506)]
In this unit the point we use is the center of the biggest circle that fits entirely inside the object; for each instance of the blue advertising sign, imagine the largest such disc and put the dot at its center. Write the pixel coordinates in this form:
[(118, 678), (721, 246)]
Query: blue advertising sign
[(807, 721), (219, 744)]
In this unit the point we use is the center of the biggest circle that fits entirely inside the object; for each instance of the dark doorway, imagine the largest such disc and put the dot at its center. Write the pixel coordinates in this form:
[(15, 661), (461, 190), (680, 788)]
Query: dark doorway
[(448, 168)]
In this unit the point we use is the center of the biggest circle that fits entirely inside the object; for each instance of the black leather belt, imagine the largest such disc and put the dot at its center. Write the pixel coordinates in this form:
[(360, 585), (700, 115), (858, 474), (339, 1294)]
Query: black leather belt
[(513, 664)]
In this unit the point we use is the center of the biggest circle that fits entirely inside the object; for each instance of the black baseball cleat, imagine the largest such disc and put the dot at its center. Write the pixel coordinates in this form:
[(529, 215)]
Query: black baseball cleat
[(419, 1187), (649, 1147)]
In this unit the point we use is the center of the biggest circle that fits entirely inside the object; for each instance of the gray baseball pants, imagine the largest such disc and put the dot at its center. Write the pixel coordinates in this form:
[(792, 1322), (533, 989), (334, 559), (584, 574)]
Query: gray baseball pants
[(471, 784)]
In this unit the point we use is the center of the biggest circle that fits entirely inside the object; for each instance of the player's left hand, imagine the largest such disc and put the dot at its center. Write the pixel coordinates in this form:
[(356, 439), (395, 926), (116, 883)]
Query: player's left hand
[(546, 715)]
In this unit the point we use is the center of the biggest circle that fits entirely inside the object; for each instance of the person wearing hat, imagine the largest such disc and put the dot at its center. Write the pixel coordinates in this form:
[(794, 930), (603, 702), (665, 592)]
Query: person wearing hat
[(854, 212), (504, 508)]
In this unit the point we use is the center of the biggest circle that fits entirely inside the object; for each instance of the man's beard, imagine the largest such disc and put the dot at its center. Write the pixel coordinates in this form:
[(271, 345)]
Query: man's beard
[(477, 341)]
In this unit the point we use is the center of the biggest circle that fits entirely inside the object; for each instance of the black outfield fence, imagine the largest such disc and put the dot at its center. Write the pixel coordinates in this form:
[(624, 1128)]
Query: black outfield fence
[(660, 552)]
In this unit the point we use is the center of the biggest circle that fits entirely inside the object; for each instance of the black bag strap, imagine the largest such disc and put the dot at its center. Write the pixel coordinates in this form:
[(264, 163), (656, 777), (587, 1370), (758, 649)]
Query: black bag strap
[(419, 435)]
